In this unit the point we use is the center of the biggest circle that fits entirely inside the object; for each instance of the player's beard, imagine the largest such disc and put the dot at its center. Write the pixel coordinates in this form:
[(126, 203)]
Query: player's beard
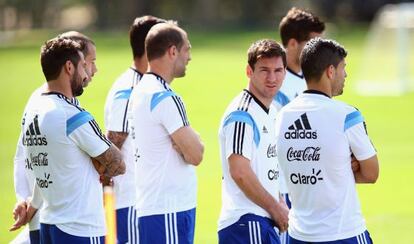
[(76, 84)]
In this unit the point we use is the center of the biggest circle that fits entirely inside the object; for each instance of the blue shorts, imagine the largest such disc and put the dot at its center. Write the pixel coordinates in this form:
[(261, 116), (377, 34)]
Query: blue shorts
[(127, 225), (34, 236), (363, 238), (250, 228), (52, 234), (171, 228)]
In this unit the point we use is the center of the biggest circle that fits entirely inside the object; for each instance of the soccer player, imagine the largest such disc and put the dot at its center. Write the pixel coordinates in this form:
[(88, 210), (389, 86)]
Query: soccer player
[(296, 28), (116, 123), (23, 175), (317, 139), (59, 139), (166, 146), (251, 206)]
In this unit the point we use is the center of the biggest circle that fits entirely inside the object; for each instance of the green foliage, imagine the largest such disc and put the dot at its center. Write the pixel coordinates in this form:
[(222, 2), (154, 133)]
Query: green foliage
[(214, 76)]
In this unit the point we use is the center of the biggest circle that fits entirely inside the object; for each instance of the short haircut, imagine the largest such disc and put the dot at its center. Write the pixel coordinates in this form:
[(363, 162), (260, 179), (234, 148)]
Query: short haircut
[(317, 55), (161, 37), (55, 53), (80, 38), (298, 24), (139, 30), (265, 48)]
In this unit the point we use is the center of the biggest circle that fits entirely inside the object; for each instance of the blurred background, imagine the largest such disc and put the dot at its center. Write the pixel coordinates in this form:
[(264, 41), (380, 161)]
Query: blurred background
[(378, 35)]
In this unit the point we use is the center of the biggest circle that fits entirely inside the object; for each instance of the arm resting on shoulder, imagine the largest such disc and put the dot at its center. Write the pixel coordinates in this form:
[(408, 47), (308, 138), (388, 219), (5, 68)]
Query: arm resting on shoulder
[(188, 143)]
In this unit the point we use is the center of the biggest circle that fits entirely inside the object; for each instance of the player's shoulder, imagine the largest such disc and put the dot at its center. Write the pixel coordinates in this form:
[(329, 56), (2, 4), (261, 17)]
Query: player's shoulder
[(344, 108), (126, 80)]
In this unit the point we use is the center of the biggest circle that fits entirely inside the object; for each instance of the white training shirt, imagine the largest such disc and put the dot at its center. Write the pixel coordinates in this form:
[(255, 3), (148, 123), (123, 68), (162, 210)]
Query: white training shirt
[(60, 138), (23, 171), (247, 129), (165, 182), (293, 84), (116, 119), (316, 137)]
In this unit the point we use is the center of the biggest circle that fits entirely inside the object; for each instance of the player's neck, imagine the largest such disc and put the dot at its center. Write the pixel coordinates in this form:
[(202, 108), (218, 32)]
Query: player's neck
[(321, 86), (140, 64), (60, 87), (293, 66), (161, 69)]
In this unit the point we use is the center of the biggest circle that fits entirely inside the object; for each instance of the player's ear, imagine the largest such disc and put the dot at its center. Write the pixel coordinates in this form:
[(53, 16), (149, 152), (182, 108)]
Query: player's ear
[(292, 43), (68, 67), (249, 70), (330, 71), (172, 51)]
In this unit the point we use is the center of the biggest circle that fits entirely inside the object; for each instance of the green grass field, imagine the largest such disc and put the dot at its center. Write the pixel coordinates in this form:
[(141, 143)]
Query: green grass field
[(214, 76)]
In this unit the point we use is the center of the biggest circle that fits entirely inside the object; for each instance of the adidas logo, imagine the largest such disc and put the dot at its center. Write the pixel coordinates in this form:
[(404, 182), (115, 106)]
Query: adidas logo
[(32, 136), (265, 129), (301, 129)]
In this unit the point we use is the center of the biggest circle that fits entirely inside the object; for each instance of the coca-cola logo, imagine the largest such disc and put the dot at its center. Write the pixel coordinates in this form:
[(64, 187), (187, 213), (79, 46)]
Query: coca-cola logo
[(271, 151), (305, 155)]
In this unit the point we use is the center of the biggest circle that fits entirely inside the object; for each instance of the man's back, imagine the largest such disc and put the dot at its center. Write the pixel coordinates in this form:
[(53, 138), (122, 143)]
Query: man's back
[(60, 138), (315, 137), (165, 182)]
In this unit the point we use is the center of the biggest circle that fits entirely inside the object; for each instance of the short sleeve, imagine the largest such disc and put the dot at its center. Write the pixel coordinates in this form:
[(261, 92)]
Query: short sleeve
[(358, 139), (116, 111), (238, 139), (83, 130), (241, 134), (168, 109)]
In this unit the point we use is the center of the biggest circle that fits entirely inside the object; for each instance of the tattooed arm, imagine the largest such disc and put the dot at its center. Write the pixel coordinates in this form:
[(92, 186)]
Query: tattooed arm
[(112, 161), (117, 138)]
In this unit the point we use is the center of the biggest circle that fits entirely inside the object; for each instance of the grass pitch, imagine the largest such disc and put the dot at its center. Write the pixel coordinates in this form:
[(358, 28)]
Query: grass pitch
[(214, 76)]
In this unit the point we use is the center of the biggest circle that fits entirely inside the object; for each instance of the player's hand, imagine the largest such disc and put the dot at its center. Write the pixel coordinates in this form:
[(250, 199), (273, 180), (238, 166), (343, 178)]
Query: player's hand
[(354, 164), (106, 180), (98, 166), (19, 215), (281, 215)]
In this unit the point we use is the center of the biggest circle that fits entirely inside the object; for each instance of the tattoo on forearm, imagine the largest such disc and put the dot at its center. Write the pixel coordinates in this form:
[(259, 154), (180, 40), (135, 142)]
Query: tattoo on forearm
[(117, 138), (113, 162)]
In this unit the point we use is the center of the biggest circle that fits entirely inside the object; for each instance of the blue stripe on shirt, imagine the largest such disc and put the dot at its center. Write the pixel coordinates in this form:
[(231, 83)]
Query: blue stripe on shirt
[(281, 98), (159, 96), (243, 117), (77, 120), (353, 119), (123, 94)]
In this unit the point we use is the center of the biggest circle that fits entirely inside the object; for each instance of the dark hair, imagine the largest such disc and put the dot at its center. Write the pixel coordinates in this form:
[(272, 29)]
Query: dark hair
[(317, 55), (80, 38), (139, 30), (298, 24), (54, 54), (265, 48), (161, 37)]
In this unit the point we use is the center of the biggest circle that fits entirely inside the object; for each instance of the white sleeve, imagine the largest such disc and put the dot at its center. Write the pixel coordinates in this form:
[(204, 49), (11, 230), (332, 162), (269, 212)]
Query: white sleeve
[(171, 113), (358, 139), (21, 183), (239, 138), (83, 130), (116, 111)]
